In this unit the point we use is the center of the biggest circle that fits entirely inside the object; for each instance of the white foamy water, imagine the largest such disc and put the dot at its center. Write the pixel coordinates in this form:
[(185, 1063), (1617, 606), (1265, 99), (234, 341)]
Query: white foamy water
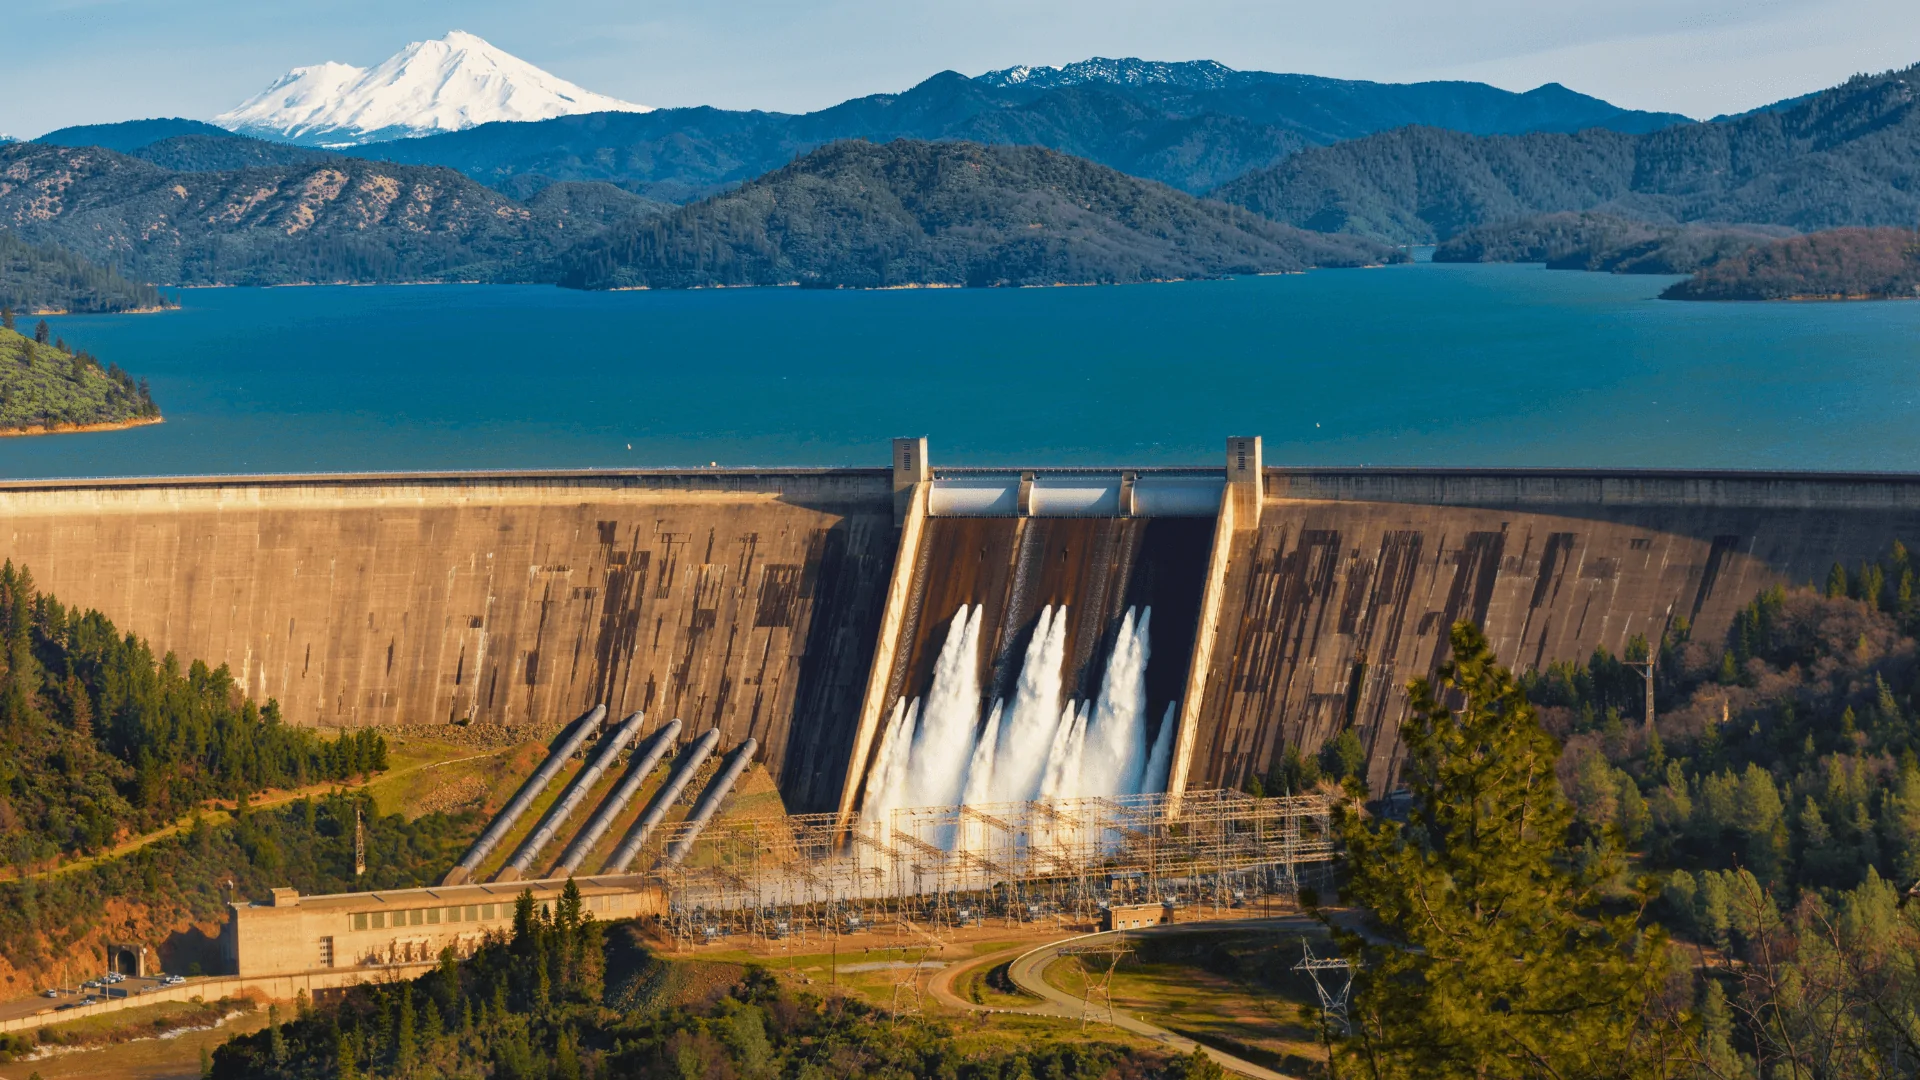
[(941, 752)]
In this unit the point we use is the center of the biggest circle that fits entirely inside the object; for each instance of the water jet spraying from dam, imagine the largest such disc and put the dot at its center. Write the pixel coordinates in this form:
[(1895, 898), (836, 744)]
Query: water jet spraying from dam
[(943, 751)]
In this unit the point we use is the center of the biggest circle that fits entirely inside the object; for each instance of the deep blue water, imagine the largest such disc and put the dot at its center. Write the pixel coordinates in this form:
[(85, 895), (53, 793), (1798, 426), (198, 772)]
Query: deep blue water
[(1425, 364)]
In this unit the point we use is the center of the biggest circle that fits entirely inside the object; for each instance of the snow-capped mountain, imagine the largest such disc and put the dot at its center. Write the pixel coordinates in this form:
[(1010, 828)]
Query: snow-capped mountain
[(1192, 74), (427, 87)]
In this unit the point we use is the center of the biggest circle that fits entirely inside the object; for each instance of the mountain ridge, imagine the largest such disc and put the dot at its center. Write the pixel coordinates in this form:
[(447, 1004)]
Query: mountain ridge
[(338, 219), (1192, 139), (911, 212), (446, 84), (1846, 156)]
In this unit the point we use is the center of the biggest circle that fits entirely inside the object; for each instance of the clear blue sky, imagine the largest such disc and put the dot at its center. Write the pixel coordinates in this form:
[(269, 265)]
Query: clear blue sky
[(84, 61)]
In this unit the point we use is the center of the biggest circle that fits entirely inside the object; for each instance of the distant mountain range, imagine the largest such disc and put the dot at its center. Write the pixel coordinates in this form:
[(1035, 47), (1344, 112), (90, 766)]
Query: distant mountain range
[(909, 212), (448, 84), (331, 220), (1845, 156), (857, 214), (1192, 126), (897, 188)]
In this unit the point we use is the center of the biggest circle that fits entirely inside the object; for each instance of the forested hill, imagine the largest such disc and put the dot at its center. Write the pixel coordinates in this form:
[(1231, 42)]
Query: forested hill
[(338, 219), (36, 278), (45, 385), (1191, 125), (1607, 242), (1845, 156), (1843, 264), (908, 212)]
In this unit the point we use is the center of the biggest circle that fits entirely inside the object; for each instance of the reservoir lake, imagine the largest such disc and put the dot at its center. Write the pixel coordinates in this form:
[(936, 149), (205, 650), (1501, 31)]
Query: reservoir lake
[(1427, 364)]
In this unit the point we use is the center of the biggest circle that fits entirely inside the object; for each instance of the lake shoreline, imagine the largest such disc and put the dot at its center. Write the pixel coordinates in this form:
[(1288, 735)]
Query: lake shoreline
[(81, 429)]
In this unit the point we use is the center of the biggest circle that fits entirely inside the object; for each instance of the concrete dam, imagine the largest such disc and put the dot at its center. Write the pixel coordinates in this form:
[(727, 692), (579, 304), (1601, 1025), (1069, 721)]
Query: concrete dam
[(1217, 615)]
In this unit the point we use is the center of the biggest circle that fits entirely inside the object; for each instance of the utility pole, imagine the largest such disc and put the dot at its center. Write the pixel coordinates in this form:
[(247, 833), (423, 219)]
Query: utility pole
[(1645, 668)]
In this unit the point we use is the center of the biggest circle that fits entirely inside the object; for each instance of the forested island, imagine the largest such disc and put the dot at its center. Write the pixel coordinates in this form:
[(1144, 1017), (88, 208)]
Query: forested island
[(1839, 264), (47, 386)]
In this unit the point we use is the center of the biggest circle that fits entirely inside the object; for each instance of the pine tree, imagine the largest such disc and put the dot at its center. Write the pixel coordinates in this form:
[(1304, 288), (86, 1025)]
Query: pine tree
[(343, 1057), (403, 1040), (276, 1037), (42, 332), (1492, 960), (6, 316)]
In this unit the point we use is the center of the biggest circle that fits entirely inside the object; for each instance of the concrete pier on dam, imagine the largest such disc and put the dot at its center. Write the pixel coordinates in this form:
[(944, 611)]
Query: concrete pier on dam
[(798, 607)]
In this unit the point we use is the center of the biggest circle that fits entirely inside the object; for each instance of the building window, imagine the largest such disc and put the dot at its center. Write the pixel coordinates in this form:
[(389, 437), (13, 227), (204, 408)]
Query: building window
[(471, 913), (378, 920), (433, 916), (359, 920), (326, 952), (486, 911)]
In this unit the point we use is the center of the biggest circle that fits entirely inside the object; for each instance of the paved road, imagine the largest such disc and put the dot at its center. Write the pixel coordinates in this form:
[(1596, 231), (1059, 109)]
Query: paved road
[(1028, 973)]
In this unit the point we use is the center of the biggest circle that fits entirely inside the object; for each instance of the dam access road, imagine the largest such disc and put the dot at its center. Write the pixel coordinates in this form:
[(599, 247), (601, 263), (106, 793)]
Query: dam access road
[(796, 607)]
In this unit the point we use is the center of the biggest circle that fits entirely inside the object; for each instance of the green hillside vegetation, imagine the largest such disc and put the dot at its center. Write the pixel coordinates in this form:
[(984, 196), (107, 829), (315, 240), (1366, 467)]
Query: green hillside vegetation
[(45, 384), (105, 739), (1777, 805), (1841, 264), (101, 739), (1848, 156), (854, 214), (44, 278), (333, 219), (170, 891), (1604, 242)]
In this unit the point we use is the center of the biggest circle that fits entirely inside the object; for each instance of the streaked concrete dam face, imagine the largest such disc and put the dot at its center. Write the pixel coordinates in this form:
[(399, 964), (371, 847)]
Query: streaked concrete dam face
[(799, 607), (739, 600)]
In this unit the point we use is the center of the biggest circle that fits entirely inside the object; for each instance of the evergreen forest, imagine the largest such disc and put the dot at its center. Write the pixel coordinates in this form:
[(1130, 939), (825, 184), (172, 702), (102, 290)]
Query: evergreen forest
[(101, 741), (104, 739), (43, 278)]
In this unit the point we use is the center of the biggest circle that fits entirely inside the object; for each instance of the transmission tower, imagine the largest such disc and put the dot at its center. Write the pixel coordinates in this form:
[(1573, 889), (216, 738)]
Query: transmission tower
[(1332, 987), (1110, 951)]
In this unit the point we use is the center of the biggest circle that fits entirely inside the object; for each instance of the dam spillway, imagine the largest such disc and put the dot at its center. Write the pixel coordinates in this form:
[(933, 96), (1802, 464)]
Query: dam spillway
[(796, 607)]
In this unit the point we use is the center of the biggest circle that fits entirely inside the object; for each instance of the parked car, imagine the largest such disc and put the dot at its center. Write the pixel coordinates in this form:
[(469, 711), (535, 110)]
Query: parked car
[(50, 993), (174, 980)]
